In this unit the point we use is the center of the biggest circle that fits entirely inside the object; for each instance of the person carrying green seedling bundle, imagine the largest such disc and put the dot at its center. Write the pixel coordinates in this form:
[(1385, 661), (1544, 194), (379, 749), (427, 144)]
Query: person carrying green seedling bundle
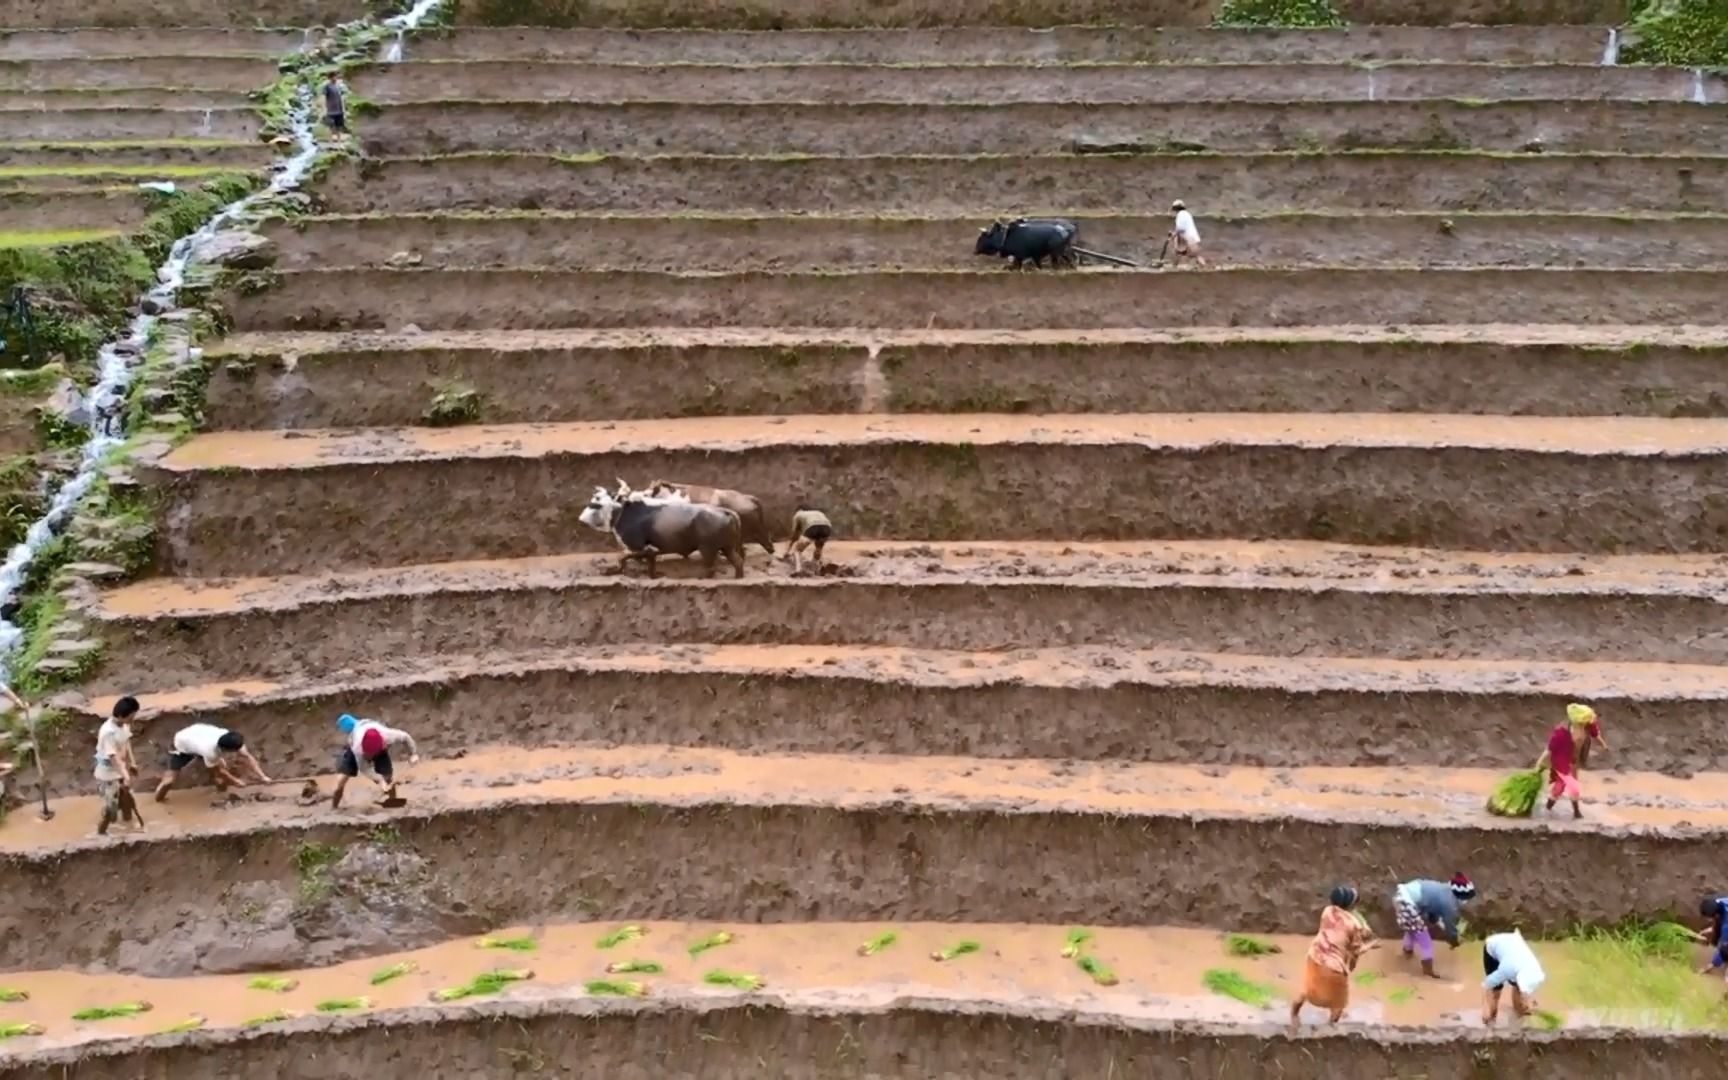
[(1567, 744)]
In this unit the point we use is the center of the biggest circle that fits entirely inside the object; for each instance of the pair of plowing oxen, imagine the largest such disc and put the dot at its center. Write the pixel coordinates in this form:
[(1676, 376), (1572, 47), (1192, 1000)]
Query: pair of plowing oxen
[(669, 518)]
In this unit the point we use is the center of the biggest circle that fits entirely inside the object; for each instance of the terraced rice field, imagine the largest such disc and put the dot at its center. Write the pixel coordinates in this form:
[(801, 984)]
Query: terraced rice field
[(1165, 598)]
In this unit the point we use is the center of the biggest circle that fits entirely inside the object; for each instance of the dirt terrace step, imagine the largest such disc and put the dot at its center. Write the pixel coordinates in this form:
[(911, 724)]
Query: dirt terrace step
[(81, 124), (990, 296), (233, 73), (1159, 973), (951, 83), (289, 380), (1088, 703), (1058, 183), (1646, 127), (996, 45), (801, 242), (663, 832), (202, 43), (147, 15), (305, 501), (213, 152), (723, 1037), (61, 101), (116, 208), (1260, 599)]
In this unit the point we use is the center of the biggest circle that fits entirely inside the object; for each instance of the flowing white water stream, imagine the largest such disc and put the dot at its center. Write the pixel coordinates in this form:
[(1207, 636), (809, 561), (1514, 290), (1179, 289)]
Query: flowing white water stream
[(1611, 51), (1698, 95)]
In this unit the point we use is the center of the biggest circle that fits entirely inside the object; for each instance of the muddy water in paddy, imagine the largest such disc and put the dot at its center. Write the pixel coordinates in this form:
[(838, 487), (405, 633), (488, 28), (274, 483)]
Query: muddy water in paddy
[(1159, 974)]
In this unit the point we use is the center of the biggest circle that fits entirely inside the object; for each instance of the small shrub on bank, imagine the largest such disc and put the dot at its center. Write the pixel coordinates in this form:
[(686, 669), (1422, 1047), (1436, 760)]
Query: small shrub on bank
[(1283, 14), (1683, 33)]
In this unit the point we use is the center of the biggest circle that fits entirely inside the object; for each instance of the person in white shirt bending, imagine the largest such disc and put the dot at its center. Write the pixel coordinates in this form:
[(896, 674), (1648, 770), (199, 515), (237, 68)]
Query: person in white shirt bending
[(116, 769), (368, 751), (1507, 959), (223, 752), (1185, 235)]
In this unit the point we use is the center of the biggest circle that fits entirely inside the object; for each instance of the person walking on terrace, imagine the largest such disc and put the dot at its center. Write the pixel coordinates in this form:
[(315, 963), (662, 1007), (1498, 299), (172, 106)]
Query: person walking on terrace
[(368, 750), (1507, 960), (335, 107), (1185, 235), (1426, 907), (223, 752), (1562, 756), (1576, 712), (1332, 957), (116, 767)]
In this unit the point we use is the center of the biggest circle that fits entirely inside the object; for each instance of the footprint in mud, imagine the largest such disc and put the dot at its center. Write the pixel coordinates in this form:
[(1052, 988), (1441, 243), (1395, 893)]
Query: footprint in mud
[(645, 771)]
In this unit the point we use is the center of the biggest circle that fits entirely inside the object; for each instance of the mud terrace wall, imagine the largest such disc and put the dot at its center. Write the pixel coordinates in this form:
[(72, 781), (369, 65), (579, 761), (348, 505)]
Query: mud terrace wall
[(30, 14), (517, 863), (667, 1040)]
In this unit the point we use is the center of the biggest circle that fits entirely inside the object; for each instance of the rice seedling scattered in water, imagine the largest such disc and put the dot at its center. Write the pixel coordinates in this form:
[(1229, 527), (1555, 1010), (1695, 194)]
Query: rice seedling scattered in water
[(878, 943), (112, 1012), (1233, 984), (1549, 1021), (1243, 945), (9, 994), (514, 944), (488, 982), (1367, 978), (1077, 939), (1516, 795), (733, 979), (272, 984), (19, 1030), (616, 988), (267, 1018), (960, 948), (712, 941), (347, 1004), (1642, 974), (394, 971), (635, 967), (1094, 967), (1401, 997), (620, 936), (189, 1024)]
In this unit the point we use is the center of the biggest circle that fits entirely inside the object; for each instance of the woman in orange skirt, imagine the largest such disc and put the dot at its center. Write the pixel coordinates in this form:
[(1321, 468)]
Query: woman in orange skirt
[(1342, 940)]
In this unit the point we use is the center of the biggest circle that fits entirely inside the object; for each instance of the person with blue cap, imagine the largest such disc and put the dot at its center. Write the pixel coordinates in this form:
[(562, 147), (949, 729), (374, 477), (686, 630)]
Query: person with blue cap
[(368, 750)]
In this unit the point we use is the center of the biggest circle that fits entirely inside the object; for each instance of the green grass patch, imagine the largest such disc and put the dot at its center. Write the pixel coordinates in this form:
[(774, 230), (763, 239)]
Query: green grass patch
[(712, 941), (313, 863), (345, 1004), (149, 172), (112, 1012), (1682, 33), (44, 238), (513, 944), (1282, 14), (733, 979), (1246, 945), (959, 948), (620, 936), (272, 984), (1233, 984), (615, 988), (635, 967), (1638, 974), (878, 943), (1548, 1021), (489, 982), (394, 971)]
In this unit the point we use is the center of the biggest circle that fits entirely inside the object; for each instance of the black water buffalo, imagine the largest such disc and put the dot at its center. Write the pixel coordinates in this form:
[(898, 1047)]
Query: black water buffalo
[(648, 528), (1029, 239)]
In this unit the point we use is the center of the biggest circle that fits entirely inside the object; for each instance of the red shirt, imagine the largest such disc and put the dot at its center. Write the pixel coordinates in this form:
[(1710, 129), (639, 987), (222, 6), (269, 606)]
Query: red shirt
[(1561, 752)]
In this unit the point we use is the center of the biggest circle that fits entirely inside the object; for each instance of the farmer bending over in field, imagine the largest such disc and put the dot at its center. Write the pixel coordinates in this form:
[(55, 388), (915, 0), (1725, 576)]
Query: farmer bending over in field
[(221, 751), (1332, 957), (1715, 934), (810, 527), (1425, 906), (369, 744), (1507, 959)]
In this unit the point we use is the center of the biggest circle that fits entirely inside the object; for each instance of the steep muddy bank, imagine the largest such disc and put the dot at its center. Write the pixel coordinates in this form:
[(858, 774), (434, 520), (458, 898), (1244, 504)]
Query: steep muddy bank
[(1667, 127), (149, 14), (1107, 184)]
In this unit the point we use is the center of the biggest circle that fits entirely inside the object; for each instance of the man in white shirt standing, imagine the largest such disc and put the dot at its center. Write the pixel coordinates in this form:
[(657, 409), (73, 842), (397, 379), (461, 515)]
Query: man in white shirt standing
[(116, 769), (1185, 235), (222, 752), (368, 752), (1507, 958)]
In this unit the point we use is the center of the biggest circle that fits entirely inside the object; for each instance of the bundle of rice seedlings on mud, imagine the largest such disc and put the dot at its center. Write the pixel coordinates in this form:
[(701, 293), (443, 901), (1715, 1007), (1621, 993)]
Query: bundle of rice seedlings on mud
[(1094, 967), (712, 941), (9, 994), (616, 988), (1233, 984), (1077, 939), (346, 1004), (1548, 1021), (635, 967), (268, 1018), (514, 944), (959, 948), (487, 982), (273, 984), (191, 1023), (1244, 945), (620, 936), (733, 979), (878, 943), (18, 1030), (112, 1012), (394, 971), (1516, 795)]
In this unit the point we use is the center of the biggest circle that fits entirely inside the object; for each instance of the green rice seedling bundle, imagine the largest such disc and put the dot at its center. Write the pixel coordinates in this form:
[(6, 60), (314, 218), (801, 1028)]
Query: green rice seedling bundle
[(272, 984), (345, 1004), (959, 948), (635, 967), (514, 944), (620, 936), (1516, 795), (878, 943), (1094, 967), (1076, 943), (17, 1030), (191, 1023), (394, 971), (9, 994), (1548, 1021), (616, 988), (1244, 945), (1233, 984), (712, 941), (268, 1018), (112, 1012), (733, 979), (488, 982)]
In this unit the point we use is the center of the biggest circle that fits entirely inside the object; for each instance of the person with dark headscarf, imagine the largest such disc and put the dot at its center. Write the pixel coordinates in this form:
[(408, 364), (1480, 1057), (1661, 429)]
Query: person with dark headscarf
[(1342, 939)]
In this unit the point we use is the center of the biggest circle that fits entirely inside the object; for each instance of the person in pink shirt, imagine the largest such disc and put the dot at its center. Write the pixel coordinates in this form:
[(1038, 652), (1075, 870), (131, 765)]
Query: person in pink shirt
[(1564, 754)]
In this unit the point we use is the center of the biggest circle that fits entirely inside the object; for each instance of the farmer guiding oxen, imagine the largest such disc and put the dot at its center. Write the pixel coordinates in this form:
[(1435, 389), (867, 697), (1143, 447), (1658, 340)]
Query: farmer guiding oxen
[(647, 528)]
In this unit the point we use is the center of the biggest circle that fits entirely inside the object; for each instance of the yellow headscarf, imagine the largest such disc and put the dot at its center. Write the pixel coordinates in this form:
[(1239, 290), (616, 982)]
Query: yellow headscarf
[(1580, 715)]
